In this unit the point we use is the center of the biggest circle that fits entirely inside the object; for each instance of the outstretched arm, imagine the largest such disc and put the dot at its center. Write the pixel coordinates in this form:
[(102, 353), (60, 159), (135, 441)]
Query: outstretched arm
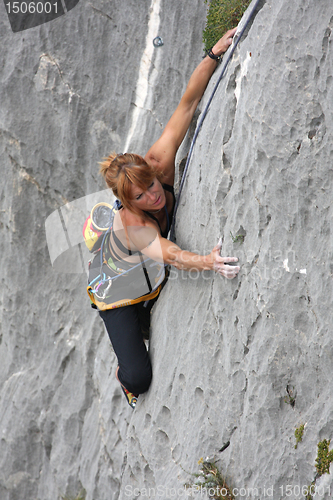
[(162, 153), (182, 259), (152, 245)]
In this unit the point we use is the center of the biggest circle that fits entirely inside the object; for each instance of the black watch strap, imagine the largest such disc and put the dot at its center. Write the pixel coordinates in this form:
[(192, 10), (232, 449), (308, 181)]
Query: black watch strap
[(213, 56)]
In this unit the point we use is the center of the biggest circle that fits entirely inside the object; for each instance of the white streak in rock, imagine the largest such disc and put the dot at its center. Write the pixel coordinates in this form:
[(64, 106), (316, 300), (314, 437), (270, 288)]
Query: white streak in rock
[(143, 85), (242, 73), (285, 265)]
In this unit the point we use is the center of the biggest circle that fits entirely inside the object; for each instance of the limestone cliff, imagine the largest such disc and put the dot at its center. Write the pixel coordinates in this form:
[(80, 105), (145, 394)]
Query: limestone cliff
[(224, 352)]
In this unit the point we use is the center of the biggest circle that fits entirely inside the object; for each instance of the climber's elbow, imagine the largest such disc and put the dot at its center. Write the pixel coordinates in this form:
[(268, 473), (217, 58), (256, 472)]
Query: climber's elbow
[(172, 256)]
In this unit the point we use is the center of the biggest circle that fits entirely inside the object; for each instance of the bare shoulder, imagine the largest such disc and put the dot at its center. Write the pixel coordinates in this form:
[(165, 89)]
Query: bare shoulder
[(134, 222), (162, 156), (128, 218), (141, 232)]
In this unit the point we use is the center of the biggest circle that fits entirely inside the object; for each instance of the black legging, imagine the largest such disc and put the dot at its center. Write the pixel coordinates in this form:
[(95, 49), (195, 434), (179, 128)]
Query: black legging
[(126, 327)]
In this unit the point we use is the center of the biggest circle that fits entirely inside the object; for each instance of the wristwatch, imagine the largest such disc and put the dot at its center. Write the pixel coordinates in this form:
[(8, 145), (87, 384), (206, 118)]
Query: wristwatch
[(213, 56)]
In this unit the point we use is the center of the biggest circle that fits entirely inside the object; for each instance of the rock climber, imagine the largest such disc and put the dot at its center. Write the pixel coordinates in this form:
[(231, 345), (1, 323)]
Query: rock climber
[(144, 186)]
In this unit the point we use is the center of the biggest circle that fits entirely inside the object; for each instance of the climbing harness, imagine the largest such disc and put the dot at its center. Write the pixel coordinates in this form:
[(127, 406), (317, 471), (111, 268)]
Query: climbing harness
[(203, 115), (110, 286)]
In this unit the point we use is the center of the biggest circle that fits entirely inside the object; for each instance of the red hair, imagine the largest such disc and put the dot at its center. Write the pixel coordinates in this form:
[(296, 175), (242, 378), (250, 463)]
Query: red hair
[(122, 171)]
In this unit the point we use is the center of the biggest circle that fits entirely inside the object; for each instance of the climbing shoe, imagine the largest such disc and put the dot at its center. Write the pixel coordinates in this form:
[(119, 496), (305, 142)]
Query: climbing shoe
[(130, 397)]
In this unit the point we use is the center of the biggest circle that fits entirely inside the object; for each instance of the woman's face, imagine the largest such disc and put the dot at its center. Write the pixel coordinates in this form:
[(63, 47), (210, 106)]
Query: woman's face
[(151, 200)]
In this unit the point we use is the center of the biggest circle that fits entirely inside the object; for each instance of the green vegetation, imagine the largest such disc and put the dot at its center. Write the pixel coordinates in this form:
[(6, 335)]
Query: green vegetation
[(299, 434), (239, 238), (323, 462), (80, 496), (324, 458), (210, 477), (222, 16), (310, 491)]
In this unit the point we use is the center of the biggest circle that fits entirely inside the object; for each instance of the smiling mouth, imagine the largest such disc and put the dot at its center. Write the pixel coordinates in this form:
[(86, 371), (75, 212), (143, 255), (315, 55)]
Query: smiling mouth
[(158, 200)]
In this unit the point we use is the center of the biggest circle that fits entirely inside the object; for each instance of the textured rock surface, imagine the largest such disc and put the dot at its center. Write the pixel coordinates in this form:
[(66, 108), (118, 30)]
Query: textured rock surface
[(69, 94), (223, 352)]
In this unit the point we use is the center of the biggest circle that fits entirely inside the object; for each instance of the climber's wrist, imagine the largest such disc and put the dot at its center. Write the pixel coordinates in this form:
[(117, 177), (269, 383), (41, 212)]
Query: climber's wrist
[(213, 55)]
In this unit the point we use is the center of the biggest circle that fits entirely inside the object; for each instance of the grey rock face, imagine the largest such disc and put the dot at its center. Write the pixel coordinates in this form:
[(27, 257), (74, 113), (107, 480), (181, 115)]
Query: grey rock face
[(69, 91), (223, 352)]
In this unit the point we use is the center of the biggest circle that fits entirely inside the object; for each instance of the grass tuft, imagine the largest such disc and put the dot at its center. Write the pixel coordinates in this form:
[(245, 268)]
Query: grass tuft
[(80, 496), (299, 434), (323, 462), (222, 15), (324, 458), (210, 477)]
